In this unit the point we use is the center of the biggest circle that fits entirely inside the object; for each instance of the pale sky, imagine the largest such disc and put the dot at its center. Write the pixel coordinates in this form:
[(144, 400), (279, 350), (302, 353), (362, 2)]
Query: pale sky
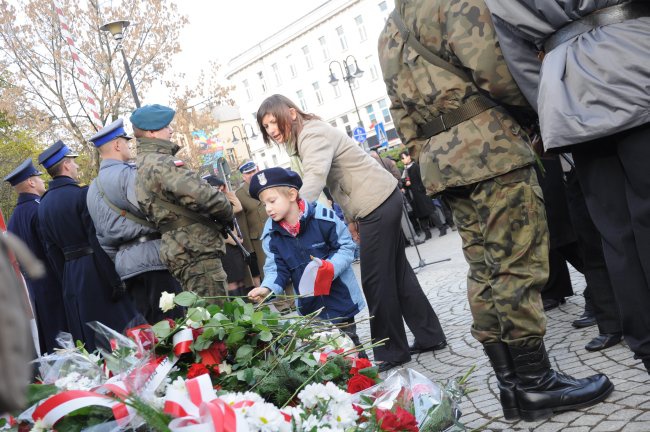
[(220, 29)]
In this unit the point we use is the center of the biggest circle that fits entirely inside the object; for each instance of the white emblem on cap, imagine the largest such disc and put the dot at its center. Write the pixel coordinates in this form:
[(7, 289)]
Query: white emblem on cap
[(262, 179)]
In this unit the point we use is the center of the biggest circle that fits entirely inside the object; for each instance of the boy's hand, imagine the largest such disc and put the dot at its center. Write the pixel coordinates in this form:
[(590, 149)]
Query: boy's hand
[(258, 294)]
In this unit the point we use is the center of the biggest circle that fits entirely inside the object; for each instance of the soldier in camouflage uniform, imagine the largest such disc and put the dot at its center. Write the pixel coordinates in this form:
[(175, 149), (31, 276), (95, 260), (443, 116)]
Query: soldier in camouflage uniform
[(187, 210), (449, 112)]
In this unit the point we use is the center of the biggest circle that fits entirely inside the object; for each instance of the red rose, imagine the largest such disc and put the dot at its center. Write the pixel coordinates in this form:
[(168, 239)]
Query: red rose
[(196, 369), (360, 363), (171, 322), (406, 420), (386, 420), (197, 332), (214, 354), (359, 382)]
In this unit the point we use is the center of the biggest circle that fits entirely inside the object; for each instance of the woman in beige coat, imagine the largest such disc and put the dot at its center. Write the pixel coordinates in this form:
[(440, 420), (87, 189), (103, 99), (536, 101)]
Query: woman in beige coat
[(372, 206)]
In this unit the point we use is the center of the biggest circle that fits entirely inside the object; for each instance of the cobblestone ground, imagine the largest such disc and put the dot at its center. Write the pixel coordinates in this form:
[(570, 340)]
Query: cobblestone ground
[(626, 409)]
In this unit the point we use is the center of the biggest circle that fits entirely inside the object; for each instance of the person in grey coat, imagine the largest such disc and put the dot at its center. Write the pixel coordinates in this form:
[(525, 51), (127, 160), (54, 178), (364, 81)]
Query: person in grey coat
[(583, 64), (131, 241)]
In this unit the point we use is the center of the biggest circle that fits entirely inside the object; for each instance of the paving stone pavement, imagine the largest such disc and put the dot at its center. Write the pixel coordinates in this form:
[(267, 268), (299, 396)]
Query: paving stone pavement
[(626, 409)]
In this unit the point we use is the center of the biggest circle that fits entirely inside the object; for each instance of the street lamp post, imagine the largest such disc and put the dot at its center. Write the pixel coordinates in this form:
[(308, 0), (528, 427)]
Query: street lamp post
[(116, 28), (244, 136), (348, 77)]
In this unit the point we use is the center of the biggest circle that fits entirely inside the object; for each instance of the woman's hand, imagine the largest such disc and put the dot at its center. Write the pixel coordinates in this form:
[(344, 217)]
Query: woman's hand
[(354, 230)]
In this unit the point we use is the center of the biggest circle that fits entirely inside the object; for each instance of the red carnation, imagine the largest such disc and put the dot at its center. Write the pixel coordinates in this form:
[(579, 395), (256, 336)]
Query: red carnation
[(359, 382), (214, 354), (400, 420), (171, 322), (196, 369), (406, 420)]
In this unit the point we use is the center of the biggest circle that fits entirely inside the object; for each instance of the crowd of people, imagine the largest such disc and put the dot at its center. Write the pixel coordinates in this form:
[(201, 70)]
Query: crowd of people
[(475, 90)]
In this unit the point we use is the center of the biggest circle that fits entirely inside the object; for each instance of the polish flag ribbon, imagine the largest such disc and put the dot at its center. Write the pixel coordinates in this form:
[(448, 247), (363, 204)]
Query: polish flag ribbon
[(182, 341)]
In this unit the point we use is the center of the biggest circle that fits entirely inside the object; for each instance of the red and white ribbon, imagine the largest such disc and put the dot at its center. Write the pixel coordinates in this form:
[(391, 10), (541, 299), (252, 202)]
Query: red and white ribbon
[(199, 409), (89, 95), (10, 421), (182, 341), (58, 406)]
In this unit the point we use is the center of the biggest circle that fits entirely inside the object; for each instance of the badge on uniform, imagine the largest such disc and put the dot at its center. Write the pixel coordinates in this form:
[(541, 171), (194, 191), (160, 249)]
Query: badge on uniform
[(262, 179)]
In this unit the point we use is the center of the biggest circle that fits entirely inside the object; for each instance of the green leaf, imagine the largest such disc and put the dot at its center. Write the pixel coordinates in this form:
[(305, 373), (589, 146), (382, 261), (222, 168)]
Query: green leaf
[(256, 318), (213, 309), (266, 336), (161, 329), (236, 334), (244, 354), (221, 333), (186, 298), (201, 343), (38, 392), (198, 314)]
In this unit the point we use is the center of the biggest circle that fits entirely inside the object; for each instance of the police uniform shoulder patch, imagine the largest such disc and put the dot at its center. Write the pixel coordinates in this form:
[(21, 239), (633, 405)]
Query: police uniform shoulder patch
[(324, 213)]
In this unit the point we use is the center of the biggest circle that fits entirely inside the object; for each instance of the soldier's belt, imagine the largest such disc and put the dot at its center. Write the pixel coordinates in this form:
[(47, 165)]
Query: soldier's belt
[(77, 253), (185, 217), (601, 17), (139, 240), (455, 117)]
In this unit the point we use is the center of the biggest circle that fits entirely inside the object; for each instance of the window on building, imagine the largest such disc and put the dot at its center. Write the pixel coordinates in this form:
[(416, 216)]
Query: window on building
[(301, 100), (323, 46), (385, 111), (337, 91), (361, 28), (247, 89), (276, 74), (260, 75), (292, 66), (348, 130), (275, 159), (318, 93), (307, 55), (355, 83), (371, 114), (373, 68), (342, 40), (346, 123), (383, 7), (333, 123)]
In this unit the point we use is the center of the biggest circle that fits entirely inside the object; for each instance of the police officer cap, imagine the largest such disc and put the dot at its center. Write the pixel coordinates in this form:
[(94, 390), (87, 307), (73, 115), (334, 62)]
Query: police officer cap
[(152, 117), (273, 177), (22, 172), (54, 153), (247, 167), (109, 133)]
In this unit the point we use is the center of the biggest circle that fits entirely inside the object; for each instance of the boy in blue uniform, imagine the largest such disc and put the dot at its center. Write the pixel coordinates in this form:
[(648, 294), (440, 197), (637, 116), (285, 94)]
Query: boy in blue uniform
[(295, 232)]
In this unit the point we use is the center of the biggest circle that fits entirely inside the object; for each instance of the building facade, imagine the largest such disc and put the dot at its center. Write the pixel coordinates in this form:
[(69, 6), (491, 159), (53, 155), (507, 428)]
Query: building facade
[(335, 43)]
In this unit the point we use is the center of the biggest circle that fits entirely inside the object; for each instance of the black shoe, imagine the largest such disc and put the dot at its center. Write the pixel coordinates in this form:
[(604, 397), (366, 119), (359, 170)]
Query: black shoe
[(388, 365), (542, 392), (552, 303), (603, 341), (417, 349), (443, 231), (427, 234), (584, 321), (504, 370)]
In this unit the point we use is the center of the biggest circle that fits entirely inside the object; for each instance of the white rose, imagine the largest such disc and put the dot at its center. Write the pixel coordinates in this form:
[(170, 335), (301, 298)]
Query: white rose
[(166, 301)]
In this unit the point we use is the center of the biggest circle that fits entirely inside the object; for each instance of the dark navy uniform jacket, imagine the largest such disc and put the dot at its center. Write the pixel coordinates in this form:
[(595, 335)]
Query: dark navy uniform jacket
[(45, 293), (88, 275)]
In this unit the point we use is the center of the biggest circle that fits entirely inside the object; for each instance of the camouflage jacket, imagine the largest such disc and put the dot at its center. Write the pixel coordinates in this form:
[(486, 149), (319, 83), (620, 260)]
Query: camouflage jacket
[(163, 177), (459, 31)]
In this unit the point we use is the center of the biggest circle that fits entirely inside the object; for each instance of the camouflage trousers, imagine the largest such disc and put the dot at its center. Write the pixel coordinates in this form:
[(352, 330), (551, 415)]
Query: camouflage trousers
[(206, 278), (502, 223)]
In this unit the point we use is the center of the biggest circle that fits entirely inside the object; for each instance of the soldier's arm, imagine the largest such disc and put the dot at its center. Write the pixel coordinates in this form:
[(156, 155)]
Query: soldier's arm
[(473, 40), (193, 192)]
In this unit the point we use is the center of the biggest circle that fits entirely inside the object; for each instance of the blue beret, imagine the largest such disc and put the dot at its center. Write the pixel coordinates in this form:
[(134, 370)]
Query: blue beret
[(247, 167), (109, 133), (152, 117), (54, 153), (273, 177), (22, 172)]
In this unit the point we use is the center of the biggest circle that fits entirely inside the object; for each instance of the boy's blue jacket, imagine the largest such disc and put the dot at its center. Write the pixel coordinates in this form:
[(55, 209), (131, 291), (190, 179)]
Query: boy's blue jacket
[(322, 235)]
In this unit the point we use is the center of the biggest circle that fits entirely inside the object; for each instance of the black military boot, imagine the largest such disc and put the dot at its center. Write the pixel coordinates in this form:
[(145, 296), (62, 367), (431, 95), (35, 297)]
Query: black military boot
[(504, 369), (541, 391)]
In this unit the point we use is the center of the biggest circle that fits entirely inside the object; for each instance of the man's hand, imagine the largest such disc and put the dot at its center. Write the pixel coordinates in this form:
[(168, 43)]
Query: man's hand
[(258, 294), (354, 230)]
